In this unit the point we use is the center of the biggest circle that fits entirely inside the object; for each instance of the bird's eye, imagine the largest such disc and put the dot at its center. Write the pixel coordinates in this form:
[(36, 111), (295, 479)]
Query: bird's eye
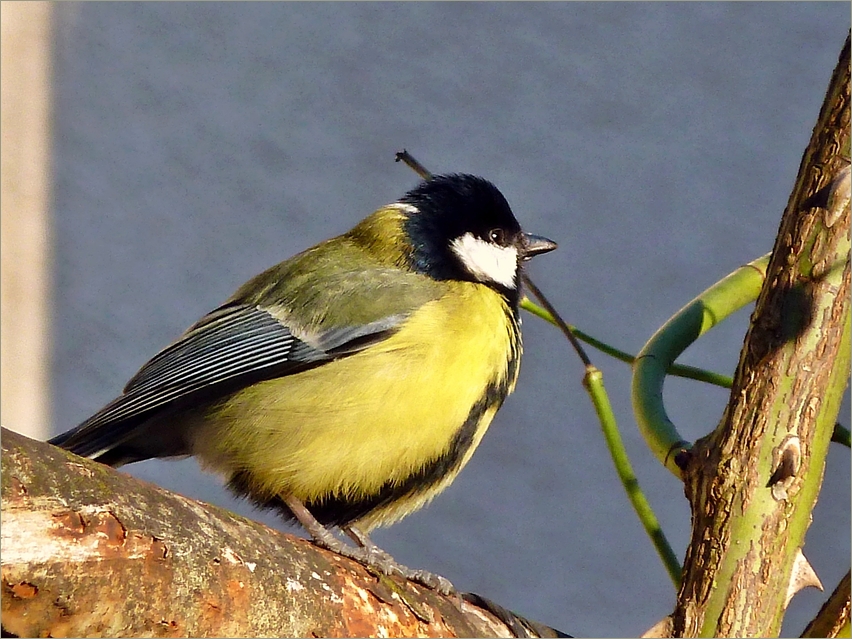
[(497, 236)]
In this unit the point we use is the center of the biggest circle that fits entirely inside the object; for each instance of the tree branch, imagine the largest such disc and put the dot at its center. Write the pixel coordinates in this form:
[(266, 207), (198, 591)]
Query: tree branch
[(88, 550), (833, 618)]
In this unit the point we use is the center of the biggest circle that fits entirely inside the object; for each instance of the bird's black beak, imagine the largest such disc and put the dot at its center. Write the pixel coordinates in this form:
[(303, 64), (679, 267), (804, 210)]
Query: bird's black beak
[(535, 245)]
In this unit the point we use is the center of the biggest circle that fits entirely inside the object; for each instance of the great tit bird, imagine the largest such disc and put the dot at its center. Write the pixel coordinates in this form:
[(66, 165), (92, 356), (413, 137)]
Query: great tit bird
[(348, 385)]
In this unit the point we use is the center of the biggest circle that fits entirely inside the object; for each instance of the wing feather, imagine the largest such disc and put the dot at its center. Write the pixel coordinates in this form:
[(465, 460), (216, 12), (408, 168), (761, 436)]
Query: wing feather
[(234, 342)]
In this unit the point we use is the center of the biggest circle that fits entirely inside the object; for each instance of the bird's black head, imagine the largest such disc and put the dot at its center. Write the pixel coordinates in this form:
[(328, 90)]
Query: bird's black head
[(462, 228)]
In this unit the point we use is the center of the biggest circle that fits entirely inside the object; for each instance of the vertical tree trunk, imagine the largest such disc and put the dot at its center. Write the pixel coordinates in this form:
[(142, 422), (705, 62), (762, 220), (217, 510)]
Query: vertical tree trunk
[(754, 481)]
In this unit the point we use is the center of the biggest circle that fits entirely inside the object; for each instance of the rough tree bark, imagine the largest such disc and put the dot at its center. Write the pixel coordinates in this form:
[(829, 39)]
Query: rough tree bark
[(90, 551), (753, 482)]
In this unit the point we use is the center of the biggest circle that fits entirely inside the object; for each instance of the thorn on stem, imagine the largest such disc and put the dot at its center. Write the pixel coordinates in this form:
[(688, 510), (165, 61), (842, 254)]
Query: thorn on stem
[(803, 576)]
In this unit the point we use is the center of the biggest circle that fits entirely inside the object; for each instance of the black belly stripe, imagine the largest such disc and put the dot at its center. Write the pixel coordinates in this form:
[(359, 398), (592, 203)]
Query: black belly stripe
[(341, 511)]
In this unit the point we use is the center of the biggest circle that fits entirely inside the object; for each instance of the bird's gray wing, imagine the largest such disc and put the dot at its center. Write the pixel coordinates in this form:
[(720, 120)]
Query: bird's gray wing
[(235, 345)]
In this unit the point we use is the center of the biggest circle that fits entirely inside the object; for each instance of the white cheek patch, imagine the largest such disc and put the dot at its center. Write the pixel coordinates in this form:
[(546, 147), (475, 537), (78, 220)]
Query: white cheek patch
[(487, 262)]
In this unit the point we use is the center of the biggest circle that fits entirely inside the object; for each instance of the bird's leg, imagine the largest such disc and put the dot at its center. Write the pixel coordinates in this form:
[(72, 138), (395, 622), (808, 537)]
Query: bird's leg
[(322, 536), (367, 553)]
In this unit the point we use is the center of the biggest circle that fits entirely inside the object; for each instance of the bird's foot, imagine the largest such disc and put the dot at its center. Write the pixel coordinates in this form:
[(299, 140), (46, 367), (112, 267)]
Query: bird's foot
[(367, 553), (387, 565), (377, 559), (373, 557)]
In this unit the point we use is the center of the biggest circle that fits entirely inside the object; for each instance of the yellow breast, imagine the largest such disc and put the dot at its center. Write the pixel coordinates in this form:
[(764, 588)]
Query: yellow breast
[(349, 428)]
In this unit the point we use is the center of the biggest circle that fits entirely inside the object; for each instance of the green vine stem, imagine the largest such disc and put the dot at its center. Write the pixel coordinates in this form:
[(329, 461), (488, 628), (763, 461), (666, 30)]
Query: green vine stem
[(657, 356), (593, 382)]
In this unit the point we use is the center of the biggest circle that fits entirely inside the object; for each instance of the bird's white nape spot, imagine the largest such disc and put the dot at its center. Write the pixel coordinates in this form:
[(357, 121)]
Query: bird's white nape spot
[(487, 261), (404, 207)]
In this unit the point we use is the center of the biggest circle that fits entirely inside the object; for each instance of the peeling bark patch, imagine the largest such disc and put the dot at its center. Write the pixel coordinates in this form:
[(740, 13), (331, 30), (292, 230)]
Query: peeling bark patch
[(787, 460), (102, 528), (110, 529), (391, 612), (103, 525), (36, 537), (40, 613), (24, 590), (68, 524)]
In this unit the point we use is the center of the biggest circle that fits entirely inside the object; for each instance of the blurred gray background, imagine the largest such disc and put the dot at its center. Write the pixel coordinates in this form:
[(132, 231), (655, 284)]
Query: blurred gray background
[(196, 145)]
